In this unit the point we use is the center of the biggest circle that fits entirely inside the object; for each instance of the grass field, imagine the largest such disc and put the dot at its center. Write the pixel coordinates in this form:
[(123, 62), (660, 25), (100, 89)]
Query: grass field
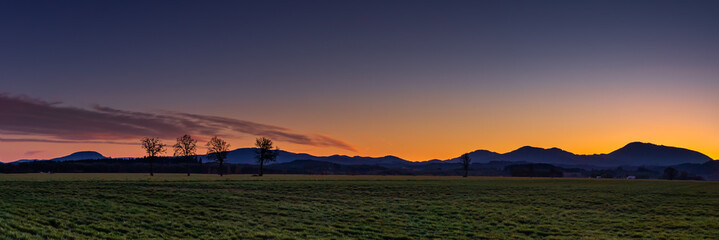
[(135, 206)]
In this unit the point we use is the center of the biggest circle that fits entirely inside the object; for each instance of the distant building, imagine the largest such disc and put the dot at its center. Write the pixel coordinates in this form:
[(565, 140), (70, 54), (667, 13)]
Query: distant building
[(631, 177)]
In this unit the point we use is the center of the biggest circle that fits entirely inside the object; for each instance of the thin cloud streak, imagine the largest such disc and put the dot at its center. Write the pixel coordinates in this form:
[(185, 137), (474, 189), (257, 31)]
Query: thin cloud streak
[(64, 141), (21, 115), (30, 153)]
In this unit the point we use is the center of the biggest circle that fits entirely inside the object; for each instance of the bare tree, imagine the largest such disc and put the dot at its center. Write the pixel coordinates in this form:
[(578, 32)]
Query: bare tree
[(186, 147), (465, 163), (217, 149), (265, 151), (153, 147)]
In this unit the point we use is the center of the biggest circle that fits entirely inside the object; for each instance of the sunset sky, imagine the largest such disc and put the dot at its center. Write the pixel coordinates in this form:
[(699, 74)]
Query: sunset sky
[(416, 79)]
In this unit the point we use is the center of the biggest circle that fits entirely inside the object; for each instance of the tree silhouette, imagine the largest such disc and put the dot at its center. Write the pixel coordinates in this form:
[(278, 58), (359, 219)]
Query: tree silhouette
[(683, 175), (153, 147), (186, 147), (670, 173), (465, 163), (265, 151), (217, 149)]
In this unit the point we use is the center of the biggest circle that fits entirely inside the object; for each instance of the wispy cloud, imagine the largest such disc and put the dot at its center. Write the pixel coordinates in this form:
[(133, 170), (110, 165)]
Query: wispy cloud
[(64, 141), (21, 115), (30, 153)]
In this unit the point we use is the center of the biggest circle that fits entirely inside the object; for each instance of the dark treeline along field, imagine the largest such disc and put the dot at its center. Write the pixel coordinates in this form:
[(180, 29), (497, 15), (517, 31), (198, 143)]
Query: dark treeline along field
[(179, 165), (207, 206)]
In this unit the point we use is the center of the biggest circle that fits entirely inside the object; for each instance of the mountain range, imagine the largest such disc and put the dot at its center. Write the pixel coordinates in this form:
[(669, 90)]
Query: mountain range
[(633, 154), (84, 155)]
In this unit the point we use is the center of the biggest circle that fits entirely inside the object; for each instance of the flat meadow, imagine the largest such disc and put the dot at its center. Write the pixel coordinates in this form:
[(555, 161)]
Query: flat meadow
[(175, 206)]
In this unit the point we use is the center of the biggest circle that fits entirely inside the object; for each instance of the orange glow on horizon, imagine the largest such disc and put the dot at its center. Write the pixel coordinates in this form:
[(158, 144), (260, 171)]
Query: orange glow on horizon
[(426, 153), (589, 117)]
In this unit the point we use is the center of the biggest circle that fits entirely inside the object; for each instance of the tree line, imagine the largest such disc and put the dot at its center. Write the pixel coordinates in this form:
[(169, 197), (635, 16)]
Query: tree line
[(217, 149)]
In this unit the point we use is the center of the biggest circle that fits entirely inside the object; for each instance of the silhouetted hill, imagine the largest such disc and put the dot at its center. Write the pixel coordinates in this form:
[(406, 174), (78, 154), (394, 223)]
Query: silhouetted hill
[(633, 154), (84, 155), (638, 153), (80, 156), (375, 166), (541, 155), (479, 156), (247, 156)]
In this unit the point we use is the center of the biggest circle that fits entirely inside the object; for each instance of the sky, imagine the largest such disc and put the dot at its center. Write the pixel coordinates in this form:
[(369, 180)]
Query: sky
[(416, 79)]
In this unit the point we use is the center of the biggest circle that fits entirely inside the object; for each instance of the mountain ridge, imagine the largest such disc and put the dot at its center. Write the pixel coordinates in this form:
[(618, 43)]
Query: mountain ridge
[(81, 155), (632, 154)]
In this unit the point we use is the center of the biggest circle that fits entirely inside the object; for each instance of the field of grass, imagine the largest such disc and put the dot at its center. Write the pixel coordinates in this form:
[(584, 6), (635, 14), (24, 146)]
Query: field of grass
[(135, 206)]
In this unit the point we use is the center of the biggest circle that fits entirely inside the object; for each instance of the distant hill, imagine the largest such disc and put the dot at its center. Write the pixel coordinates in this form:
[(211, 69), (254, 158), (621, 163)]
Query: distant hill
[(642, 160), (80, 156), (479, 156), (541, 155), (247, 156), (84, 155), (638, 153), (633, 154)]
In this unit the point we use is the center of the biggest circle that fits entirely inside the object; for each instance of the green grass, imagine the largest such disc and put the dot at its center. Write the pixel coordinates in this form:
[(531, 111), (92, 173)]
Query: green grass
[(135, 206)]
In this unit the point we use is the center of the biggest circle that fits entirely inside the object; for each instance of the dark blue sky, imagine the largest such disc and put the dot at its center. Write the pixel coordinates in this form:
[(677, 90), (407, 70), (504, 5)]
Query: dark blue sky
[(329, 45), (367, 64)]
